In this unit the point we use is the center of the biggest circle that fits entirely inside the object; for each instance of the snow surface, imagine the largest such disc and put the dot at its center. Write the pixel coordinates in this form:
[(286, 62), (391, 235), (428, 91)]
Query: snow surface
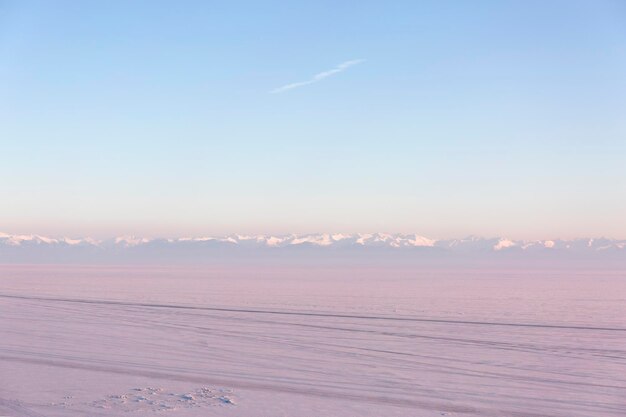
[(299, 342)]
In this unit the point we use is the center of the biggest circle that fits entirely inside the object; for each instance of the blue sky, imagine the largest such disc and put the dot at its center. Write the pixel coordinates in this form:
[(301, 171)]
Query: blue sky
[(158, 118)]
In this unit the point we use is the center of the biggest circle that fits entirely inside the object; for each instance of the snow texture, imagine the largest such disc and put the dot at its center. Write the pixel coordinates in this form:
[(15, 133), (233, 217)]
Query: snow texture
[(300, 342)]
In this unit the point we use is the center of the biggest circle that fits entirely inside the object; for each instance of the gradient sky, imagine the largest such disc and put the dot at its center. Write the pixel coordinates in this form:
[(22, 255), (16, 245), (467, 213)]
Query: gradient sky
[(168, 118)]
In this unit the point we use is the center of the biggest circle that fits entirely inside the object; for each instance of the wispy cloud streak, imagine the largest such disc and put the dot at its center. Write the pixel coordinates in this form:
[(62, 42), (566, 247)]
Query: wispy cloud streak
[(318, 77)]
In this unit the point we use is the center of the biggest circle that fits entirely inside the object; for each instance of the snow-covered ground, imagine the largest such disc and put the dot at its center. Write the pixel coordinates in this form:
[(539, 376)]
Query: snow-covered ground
[(300, 342)]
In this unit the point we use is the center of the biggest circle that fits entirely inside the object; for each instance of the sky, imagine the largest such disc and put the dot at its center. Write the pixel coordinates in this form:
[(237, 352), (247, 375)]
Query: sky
[(443, 118)]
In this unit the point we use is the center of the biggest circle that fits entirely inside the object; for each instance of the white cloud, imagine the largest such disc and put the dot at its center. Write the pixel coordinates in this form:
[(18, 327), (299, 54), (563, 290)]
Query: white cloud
[(318, 77)]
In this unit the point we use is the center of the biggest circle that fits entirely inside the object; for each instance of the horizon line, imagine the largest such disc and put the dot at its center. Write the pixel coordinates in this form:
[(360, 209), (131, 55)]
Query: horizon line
[(284, 235)]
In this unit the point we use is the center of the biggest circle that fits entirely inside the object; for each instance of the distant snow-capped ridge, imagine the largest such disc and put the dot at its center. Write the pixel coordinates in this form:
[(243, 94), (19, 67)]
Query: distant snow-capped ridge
[(324, 240)]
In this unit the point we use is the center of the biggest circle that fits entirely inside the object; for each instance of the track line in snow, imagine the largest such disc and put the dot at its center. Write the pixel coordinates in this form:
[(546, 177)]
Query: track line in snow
[(310, 314)]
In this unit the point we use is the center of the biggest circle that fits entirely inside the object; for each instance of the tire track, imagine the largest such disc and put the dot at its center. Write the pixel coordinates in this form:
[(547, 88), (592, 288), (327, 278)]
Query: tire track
[(309, 314)]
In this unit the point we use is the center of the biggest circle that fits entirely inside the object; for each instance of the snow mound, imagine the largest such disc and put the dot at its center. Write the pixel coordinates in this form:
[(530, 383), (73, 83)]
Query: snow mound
[(158, 400)]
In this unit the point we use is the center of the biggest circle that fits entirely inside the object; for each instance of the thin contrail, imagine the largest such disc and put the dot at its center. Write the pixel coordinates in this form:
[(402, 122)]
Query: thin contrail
[(319, 76)]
